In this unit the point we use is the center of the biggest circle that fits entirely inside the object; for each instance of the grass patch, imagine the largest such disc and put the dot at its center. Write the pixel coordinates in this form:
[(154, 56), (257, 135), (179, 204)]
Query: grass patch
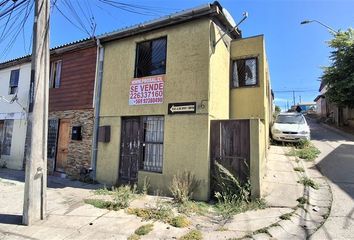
[(299, 169), (192, 235), (99, 203), (309, 154), (222, 229), (302, 200), (144, 229), (180, 221), (162, 213), (133, 237), (309, 182), (190, 207), (286, 216)]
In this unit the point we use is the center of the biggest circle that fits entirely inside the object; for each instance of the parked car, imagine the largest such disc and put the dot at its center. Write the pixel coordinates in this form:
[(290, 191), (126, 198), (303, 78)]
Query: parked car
[(290, 127)]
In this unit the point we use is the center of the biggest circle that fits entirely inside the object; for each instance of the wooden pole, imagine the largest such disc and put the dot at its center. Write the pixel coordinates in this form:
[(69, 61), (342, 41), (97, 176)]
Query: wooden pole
[(34, 206)]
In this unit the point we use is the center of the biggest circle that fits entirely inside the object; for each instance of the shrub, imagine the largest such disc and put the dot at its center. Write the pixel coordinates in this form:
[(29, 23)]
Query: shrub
[(183, 186), (144, 229), (123, 195), (192, 235), (308, 182), (180, 221)]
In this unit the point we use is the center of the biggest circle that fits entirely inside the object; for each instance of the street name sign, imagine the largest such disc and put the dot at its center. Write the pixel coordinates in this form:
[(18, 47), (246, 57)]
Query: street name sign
[(181, 108)]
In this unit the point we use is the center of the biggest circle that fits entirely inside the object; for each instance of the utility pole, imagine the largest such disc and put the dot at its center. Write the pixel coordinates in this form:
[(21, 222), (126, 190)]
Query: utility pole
[(294, 97), (34, 206), (300, 99)]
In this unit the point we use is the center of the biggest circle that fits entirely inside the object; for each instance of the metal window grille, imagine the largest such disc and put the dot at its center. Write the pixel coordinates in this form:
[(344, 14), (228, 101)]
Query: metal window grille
[(151, 57), (7, 137), (52, 138), (153, 143), (244, 72)]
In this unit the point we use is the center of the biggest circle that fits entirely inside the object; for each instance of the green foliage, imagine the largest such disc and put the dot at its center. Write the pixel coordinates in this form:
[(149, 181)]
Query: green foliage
[(222, 229), (305, 150), (286, 216), (183, 186), (180, 221), (123, 195), (162, 213), (102, 191), (299, 169), (191, 207), (133, 237), (192, 235), (99, 203), (146, 186), (308, 182), (277, 109), (302, 200), (339, 76), (303, 143), (144, 229)]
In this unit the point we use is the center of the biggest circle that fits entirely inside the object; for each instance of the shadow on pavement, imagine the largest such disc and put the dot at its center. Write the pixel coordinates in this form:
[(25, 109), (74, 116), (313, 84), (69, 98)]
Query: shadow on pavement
[(11, 219), (52, 182)]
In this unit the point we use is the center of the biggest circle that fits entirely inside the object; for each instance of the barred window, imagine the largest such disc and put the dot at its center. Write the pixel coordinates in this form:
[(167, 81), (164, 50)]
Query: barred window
[(244, 73), (151, 58), (6, 128), (153, 143), (15, 74)]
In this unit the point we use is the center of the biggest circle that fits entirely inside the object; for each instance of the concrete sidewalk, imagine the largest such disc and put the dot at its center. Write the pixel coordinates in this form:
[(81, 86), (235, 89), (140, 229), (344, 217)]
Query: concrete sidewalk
[(70, 218)]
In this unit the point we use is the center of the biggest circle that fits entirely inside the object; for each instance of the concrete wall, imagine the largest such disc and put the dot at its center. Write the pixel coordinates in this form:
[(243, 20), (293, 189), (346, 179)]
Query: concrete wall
[(186, 80), (16, 112)]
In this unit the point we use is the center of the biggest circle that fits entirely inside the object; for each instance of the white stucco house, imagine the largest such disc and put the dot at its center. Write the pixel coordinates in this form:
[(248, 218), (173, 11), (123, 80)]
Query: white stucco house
[(14, 95)]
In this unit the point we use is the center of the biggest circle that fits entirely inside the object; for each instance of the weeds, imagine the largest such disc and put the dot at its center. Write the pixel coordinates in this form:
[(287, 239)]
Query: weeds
[(99, 203), (124, 195), (144, 229), (309, 182), (146, 186), (102, 191), (162, 213), (286, 216), (305, 150), (133, 237), (192, 235), (222, 229), (183, 186), (191, 207), (299, 169), (180, 221), (302, 200)]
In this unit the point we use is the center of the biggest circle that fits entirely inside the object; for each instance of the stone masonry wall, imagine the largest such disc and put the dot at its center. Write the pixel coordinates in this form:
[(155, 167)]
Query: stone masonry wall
[(79, 151)]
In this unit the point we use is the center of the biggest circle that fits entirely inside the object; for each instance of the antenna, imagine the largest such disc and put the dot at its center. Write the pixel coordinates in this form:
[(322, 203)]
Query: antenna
[(232, 22)]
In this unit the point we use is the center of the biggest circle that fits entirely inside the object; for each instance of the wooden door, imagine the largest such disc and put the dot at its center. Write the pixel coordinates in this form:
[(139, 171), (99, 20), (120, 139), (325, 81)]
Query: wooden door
[(63, 143), (230, 147), (130, 150)]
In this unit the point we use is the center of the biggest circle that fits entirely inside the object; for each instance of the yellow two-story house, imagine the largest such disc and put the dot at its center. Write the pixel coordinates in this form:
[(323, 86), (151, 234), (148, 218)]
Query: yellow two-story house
[(177, 94)]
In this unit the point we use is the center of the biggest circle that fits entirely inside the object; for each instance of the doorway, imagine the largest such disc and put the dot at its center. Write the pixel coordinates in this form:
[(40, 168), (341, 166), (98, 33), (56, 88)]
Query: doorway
[(130, 150), (63, 145)]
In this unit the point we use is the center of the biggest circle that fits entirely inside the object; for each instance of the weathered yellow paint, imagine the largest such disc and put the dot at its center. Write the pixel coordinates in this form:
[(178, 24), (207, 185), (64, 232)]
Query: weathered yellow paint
[(253, 102), (186, 80), (196, 71)]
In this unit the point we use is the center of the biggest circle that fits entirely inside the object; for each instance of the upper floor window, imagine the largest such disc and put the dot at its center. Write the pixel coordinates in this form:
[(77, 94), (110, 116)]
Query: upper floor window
[(13, 86), (244, 72), (55, 74), (151, 58)]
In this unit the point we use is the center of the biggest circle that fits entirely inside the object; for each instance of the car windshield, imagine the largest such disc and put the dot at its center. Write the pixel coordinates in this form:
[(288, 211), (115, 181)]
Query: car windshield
[(290, 119)]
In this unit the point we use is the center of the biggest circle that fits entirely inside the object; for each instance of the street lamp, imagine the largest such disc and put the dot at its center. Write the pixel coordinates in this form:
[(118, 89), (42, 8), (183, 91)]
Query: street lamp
[(324, 25)]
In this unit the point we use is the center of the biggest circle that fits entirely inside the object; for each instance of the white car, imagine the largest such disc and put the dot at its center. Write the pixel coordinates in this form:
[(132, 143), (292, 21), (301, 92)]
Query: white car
[(290, 127)]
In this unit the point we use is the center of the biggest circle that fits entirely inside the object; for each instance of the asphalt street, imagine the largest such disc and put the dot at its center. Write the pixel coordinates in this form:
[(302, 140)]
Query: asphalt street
[(336, 162)]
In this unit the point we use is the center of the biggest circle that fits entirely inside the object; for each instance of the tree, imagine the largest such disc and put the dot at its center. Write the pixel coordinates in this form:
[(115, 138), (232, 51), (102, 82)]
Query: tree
[(277, 109), (339, 76)]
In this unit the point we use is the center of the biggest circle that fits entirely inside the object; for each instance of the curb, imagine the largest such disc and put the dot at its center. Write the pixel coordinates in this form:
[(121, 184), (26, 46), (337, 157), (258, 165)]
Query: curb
[(306, 218), (338, 131)]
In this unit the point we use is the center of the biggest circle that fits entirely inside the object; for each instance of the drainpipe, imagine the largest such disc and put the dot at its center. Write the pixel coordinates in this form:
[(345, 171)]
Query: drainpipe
[(97, 103)]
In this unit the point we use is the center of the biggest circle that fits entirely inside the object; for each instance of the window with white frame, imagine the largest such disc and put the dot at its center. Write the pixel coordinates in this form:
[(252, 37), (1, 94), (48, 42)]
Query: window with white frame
[(153, 143), (244, 73), (13, 85), (55, 74)]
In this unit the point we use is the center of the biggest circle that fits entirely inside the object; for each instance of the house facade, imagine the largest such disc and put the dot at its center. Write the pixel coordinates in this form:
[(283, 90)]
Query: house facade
[(14, 92), (71, 108), (169, 87)]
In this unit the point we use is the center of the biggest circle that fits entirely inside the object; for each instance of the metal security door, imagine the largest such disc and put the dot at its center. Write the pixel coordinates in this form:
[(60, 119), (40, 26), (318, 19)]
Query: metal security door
[(130, 150), (230, 147)]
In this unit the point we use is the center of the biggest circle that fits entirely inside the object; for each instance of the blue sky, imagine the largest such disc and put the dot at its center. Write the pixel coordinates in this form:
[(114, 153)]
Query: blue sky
[(295, 52)]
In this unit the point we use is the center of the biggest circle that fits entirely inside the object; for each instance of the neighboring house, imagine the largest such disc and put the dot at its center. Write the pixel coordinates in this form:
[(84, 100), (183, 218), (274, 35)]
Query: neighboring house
[(14, 92), (172, 101), (331, 111), (71, 108)]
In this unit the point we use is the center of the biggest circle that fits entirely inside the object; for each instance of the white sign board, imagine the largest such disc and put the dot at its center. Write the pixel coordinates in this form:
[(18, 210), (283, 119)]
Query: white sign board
[(148, 90)]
